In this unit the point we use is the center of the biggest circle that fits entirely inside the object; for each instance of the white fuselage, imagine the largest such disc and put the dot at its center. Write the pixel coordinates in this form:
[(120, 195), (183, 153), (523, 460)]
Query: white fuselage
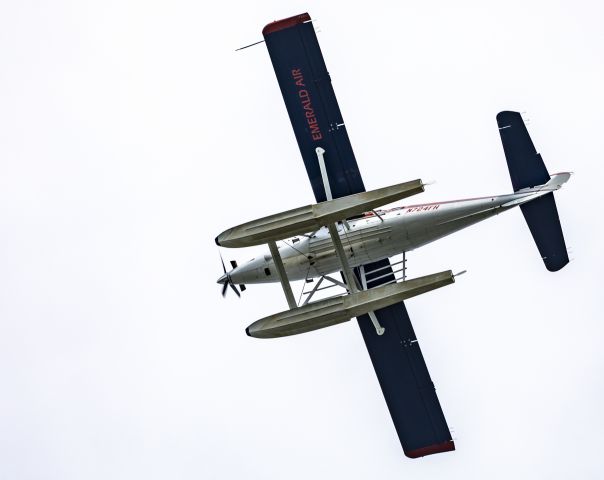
[(371, 238)]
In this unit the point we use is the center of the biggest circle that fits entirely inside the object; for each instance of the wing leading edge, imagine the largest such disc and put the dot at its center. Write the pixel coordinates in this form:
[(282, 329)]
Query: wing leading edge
[(317, 122)]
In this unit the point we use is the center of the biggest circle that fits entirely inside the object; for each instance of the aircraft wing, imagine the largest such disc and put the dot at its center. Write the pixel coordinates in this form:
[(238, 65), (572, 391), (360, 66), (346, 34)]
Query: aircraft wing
[(315, 116)]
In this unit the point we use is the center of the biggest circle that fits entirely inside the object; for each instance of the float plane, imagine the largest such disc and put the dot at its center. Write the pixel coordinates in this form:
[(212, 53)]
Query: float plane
[(346, 231)]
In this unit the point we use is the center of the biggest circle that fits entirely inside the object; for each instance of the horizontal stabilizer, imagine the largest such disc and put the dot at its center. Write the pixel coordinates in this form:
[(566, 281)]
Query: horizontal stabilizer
[(527, 170)]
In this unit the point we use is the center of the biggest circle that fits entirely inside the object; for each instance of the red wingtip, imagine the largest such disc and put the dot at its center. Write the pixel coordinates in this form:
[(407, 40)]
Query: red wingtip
[(285, 23), (431, 449)]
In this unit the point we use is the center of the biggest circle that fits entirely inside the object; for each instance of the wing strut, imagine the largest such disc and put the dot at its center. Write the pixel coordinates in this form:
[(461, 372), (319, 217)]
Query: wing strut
[(287, 289), (348, 275), (376, 323), (324, 176)]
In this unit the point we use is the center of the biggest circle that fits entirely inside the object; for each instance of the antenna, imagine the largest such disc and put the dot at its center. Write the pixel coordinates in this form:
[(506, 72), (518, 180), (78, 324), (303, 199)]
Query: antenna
[(248, 46)]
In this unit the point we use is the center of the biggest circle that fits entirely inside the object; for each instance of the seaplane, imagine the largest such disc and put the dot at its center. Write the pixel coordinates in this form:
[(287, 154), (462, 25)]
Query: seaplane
[(347, 231)]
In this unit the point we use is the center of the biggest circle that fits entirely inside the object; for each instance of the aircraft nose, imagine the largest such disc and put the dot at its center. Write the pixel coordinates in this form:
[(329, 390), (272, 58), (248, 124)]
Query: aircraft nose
[(222, 279)]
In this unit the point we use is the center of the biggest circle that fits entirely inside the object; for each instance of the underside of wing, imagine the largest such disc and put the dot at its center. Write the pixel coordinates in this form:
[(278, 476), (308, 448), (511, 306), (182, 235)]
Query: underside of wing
[(403, 375), (317, 122), (311, 104)]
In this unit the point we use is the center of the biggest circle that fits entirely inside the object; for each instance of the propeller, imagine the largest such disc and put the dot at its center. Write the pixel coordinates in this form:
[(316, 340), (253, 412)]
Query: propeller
[(226, 279)]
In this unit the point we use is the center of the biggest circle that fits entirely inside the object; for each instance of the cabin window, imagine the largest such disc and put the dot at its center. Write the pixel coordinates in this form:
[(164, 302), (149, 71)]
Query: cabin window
[(267, 271)]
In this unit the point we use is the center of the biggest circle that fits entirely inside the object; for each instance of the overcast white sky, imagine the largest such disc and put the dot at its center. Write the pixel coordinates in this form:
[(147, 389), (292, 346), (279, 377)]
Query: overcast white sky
[(131, 134)]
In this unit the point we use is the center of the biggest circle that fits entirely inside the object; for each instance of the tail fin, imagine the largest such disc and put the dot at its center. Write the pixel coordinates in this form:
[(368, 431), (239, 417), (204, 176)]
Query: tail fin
[(528, 170)]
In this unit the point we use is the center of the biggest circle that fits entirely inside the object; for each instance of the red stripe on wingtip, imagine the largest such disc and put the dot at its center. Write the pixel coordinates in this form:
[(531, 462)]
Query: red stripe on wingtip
[(431, 450), (285, 23)]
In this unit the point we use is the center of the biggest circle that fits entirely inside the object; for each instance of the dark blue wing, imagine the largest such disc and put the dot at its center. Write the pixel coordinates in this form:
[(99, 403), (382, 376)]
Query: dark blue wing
[(315, 116), (311, 104)]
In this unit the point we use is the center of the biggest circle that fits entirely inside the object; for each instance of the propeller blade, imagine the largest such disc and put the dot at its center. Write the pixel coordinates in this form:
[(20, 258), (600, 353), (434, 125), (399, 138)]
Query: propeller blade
[(227, 281), (235, 289), (222, 261)]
